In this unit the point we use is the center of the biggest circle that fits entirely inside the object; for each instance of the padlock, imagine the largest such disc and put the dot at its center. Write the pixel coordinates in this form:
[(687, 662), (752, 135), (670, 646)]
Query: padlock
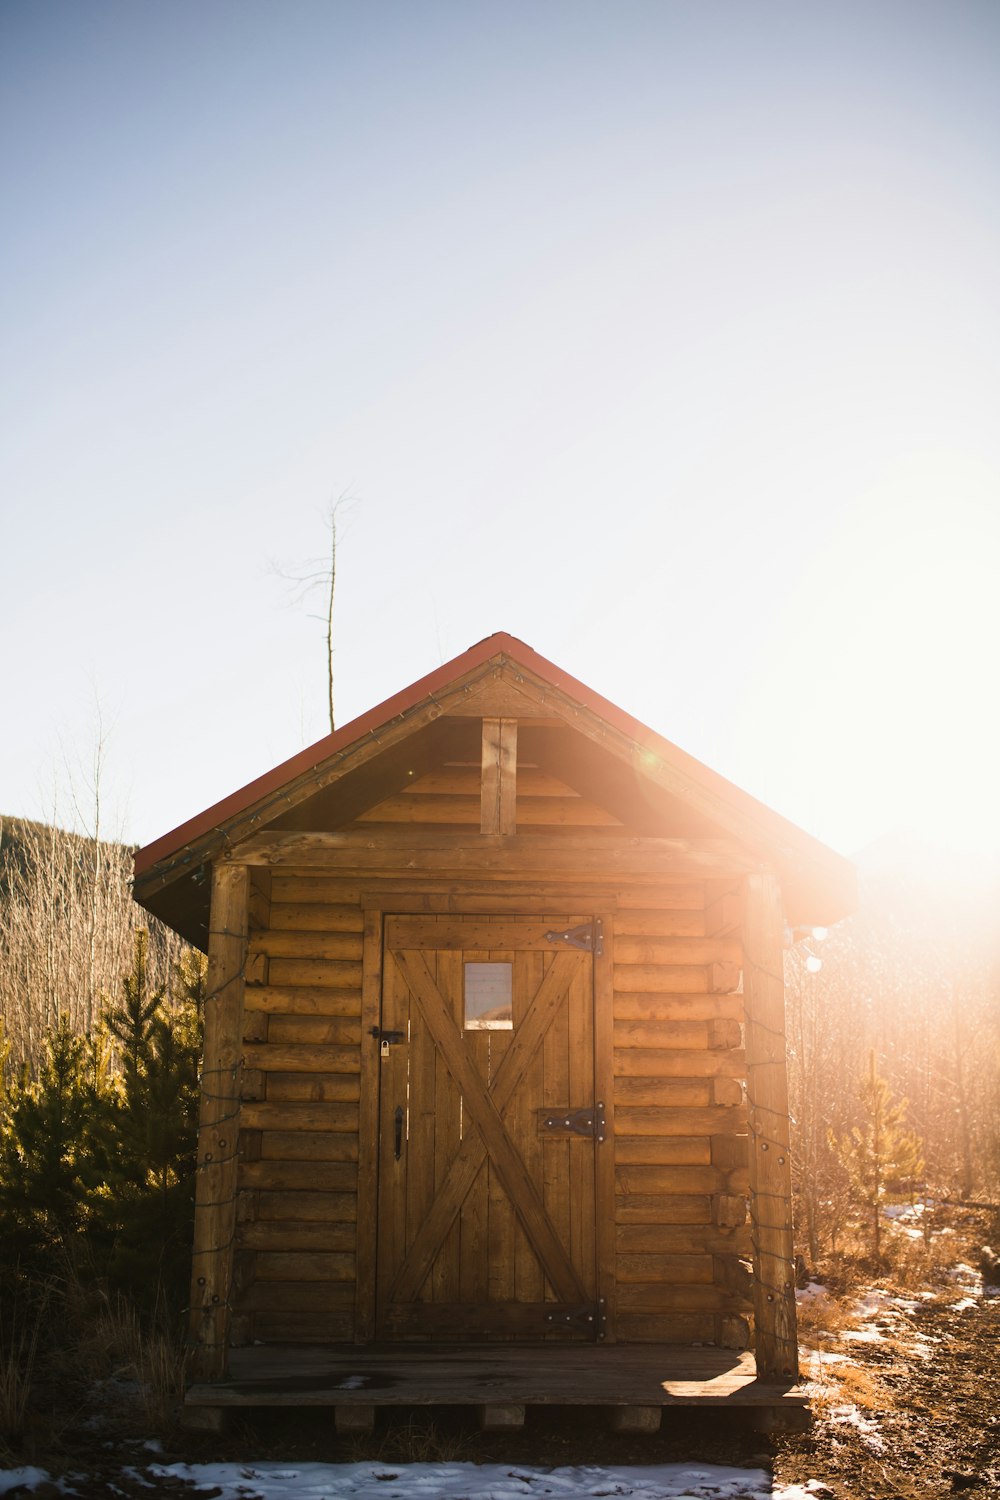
[(384, 1049)]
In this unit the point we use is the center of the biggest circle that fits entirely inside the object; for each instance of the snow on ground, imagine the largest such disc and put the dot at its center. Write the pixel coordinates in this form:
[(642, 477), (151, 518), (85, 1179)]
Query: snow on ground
[(368, 1481), (813, 1291), (26, 1478), (483, 1481), (970, 1282), (848, 1415)]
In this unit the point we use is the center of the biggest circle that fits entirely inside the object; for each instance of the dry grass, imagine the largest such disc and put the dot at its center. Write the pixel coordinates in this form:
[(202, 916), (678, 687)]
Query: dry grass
[(416, 1441), (18, 1364), (116, 1345), (821, 1315)]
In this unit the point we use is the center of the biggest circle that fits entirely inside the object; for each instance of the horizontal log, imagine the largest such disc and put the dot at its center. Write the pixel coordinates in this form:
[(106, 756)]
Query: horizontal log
[(660, 1208), (309, 1206), (336, 1088), (298, 1296), (323, 1176), (640, 1005), (294, 1057), (728, 1091), (571, 811), (645, 1180), (651, 1298), (298, 1000), (301, 1145), (666, 1328), (704, 1122), (681, 1035), (304, 1265), (315, 1327), (680, 1239), (465, 781), (254, 1026), (663, 1150), (333, 973), (724, 978), (730, 1151), (630, 922), (413, 807), (324, 945), (725, 912), (314, 1031), (729, 1210), (300, 1116), (287, 1234), (663, 1092), (445, 809), (672, 893), (649, 1063), (468, 896), (673, 1270), (655, 979), (372, 849), (735, 1275), (676, 950), (318, 916), (312, 888), (724, 1033)]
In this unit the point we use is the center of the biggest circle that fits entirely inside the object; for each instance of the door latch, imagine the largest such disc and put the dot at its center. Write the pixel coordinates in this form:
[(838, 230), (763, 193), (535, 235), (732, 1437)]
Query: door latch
[(386, 1038)]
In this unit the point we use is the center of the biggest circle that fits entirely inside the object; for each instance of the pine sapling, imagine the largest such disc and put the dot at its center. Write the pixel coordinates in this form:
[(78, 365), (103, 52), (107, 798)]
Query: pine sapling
[(879, 1152)]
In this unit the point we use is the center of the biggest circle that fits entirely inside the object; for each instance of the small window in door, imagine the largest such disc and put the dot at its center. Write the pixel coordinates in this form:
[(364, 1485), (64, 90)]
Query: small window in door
[(488, 994)]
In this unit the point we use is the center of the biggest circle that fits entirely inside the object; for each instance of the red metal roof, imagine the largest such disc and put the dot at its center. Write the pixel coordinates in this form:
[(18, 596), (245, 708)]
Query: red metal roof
[(500, 646)]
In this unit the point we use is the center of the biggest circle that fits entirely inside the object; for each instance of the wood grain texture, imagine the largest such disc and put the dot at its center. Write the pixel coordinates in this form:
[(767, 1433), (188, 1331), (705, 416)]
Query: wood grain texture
[(662, 1373), (776, 1341), (498, 790), (216, 1180)]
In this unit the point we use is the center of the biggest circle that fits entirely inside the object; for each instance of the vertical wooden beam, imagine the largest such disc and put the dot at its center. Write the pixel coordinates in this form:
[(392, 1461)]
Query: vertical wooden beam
[(368, 1131), (776, 1343), (498, 806), (215, 1182), (604, 1092)]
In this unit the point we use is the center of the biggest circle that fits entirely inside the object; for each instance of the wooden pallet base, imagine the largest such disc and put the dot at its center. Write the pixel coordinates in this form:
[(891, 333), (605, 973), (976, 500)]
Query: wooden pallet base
[(642, 1378)]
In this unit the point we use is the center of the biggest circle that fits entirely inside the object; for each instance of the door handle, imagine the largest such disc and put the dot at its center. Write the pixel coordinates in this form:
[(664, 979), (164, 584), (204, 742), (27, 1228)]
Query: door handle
[(398, 1130)]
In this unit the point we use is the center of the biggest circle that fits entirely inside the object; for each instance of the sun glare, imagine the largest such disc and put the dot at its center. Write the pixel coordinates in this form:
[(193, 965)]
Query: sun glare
[(878, 699)]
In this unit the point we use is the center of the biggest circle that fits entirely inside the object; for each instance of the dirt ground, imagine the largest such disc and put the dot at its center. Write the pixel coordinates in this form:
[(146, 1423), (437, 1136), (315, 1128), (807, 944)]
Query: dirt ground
[(903, 1371)]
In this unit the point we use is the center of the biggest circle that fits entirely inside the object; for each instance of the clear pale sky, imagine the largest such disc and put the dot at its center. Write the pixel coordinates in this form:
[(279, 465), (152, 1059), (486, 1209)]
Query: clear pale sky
[(664, 336)]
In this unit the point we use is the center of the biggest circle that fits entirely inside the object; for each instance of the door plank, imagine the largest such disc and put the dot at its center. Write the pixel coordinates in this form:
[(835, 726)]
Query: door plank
[(448, 1203), (521, 1120), (446, 1266), (484, 1114)]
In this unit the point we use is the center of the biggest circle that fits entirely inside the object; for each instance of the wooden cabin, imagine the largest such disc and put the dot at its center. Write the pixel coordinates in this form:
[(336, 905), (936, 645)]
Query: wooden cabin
[(494, 1060)]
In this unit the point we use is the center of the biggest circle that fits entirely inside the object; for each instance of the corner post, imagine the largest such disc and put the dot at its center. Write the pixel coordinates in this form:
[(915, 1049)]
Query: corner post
[(218, 1132), (776, 1339)]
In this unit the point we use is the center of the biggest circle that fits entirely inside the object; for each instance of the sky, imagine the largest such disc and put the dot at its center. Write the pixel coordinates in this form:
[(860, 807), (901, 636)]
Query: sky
[(664, 336)]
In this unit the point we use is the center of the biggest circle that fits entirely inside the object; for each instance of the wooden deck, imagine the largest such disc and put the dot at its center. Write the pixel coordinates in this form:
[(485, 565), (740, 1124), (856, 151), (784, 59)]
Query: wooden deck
[(615, 1375)]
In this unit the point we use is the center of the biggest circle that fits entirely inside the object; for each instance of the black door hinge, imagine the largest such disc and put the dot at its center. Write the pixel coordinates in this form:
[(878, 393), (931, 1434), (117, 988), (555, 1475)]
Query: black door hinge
[(589, 937), (589, 1121), (590, 1316)]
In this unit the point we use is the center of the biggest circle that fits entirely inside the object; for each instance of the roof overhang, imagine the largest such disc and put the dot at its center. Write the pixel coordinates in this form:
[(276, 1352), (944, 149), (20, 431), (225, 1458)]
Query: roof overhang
[(499, 675)]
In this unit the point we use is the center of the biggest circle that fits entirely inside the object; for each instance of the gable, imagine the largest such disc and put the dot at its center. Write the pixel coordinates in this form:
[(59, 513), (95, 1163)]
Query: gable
[(570, 763)]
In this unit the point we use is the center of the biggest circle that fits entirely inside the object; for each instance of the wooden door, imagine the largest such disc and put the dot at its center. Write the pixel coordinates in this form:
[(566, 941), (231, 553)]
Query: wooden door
[(488, 1129)]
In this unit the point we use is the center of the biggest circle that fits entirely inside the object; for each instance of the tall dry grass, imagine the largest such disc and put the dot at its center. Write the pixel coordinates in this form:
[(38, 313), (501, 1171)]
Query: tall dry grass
[(67, 934)]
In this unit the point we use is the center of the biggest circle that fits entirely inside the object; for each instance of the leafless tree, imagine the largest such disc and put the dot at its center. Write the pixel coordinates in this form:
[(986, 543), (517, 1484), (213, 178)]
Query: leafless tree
[(319, 576)]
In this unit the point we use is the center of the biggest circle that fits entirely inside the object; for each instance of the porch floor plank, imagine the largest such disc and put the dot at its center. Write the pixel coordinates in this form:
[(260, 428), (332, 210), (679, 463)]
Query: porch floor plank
[(416, 1374)]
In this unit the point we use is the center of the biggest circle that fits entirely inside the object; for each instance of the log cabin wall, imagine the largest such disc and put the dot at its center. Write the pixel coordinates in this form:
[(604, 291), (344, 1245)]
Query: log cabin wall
[(677, 1175)]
